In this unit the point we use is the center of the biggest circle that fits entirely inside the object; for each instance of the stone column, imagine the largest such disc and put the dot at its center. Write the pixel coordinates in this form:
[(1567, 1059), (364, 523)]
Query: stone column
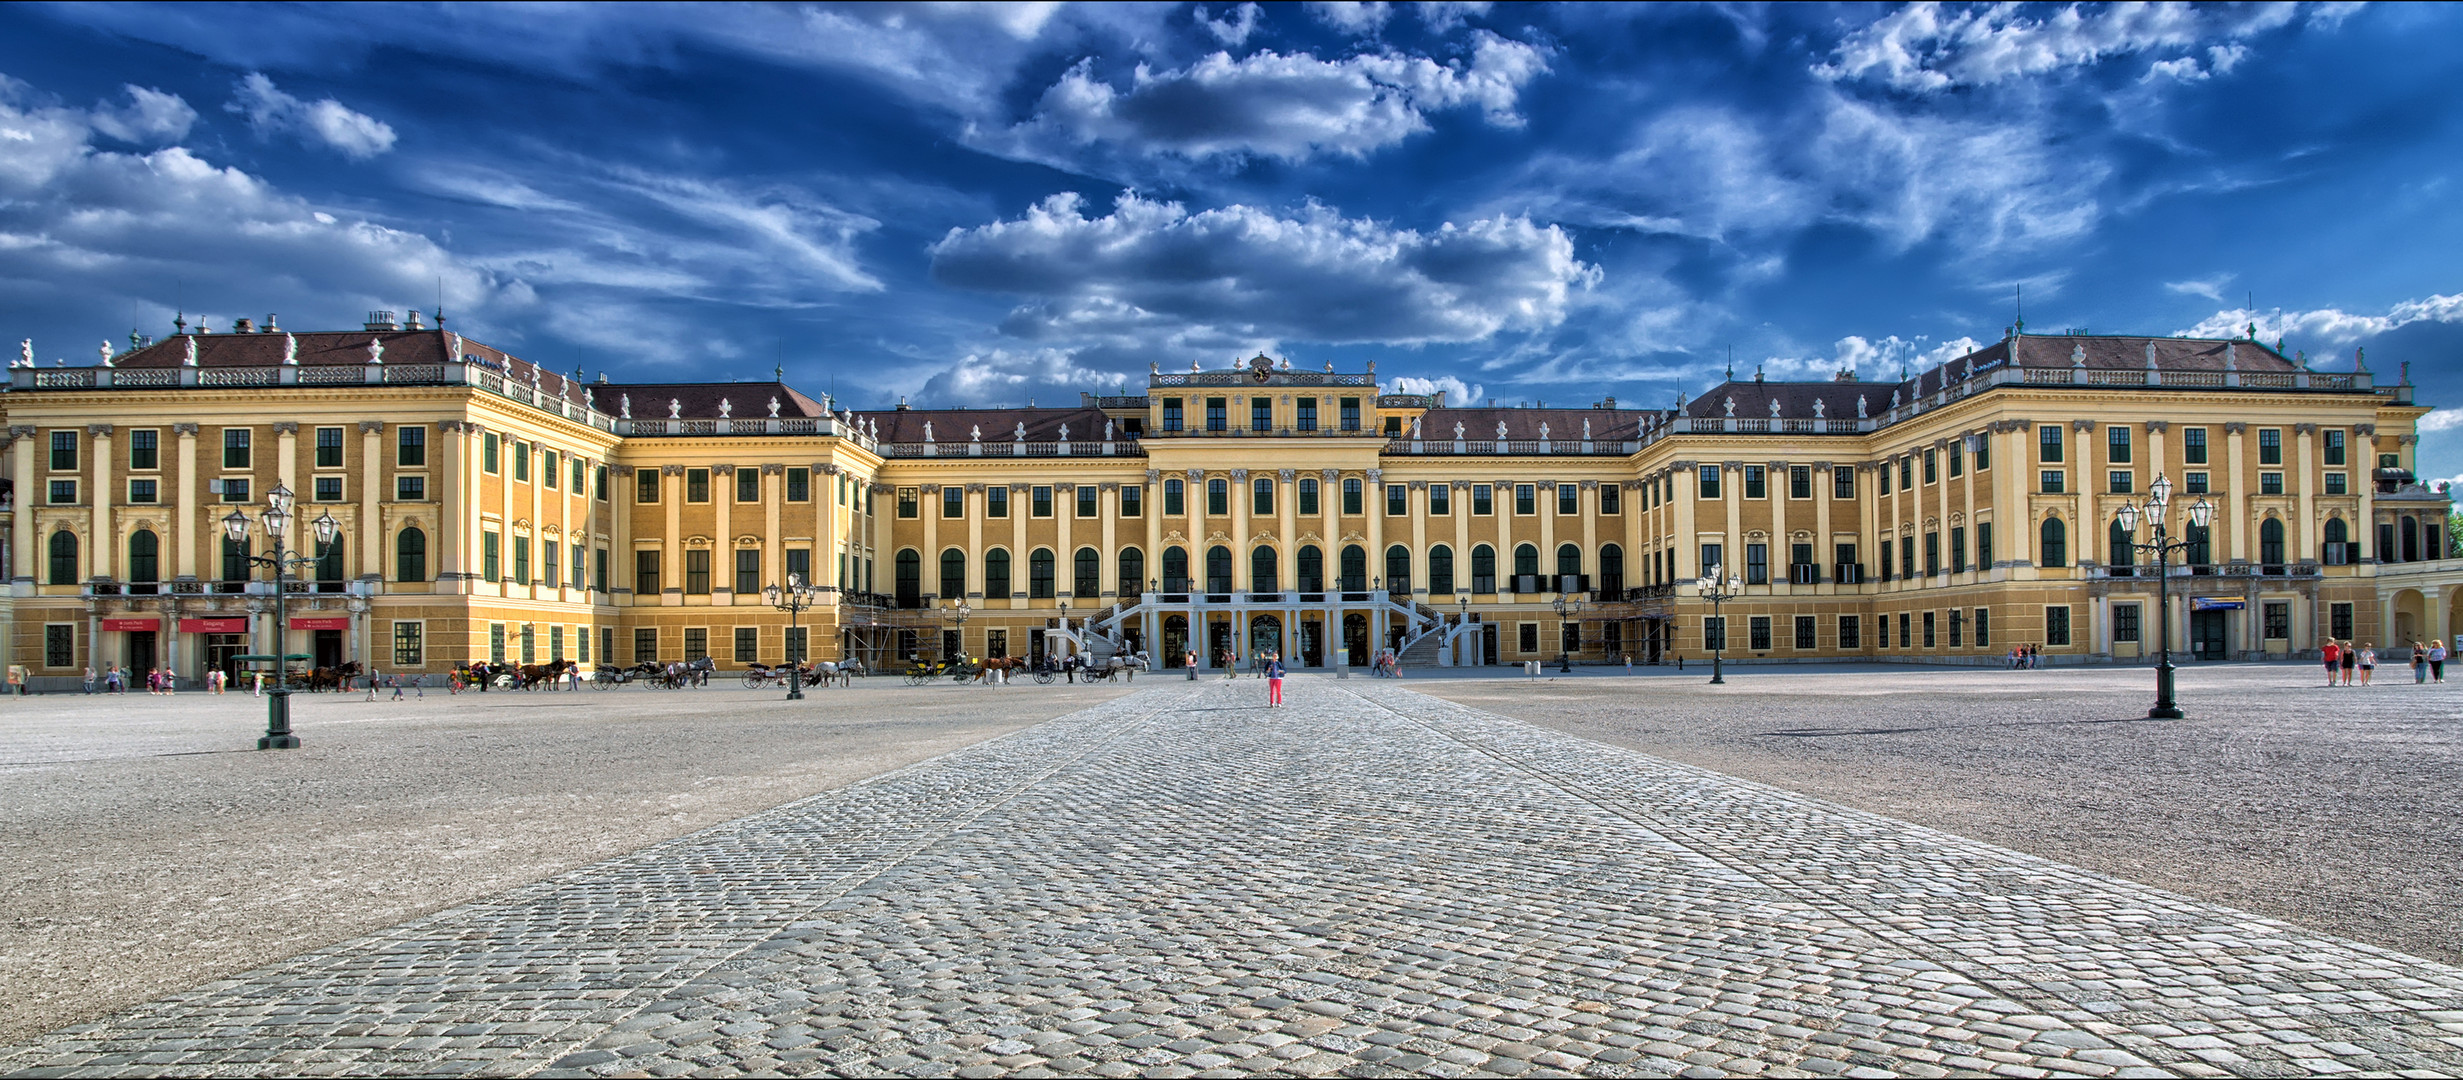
[(1238, 492), (371, 499), (2305, 489), (103, 543), (928, 570), (1686, 488), (671, 545), (1107, 558), (1416, 500), (1732, 491), (773, 521), (1780, 539), (2238, 482), (1021, 561), (1287, 535), (196, 525), (1374, 504), (1154, 554), (28, 495), (722, 537), (2010, 488), (835, 546), (1197, 553), (1590, 529)]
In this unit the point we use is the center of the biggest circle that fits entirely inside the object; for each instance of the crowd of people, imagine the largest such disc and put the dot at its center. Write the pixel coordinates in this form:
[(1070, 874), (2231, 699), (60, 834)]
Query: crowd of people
[(2350, 665), (2023, 657)]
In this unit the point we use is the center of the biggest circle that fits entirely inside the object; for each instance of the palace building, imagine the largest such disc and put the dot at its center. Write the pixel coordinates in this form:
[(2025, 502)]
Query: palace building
[(483, 507)]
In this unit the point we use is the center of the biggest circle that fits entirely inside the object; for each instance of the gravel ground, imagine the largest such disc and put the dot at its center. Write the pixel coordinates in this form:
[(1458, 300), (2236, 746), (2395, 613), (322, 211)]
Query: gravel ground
[(146, 851), (2332, 809)]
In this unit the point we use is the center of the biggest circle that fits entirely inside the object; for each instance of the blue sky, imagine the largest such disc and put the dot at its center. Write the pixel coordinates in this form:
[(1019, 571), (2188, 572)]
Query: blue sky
[(966, 204)]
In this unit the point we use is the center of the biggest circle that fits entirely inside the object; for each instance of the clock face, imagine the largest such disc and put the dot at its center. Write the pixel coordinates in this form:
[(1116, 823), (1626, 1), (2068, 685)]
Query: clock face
[(1261, 368)]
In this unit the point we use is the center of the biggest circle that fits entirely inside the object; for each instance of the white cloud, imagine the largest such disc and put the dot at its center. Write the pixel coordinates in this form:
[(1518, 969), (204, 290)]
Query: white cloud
[(1003, 377), (1912, 177), (1314, 276), (1455, 390), (2330, 326), (1233, 29), (1926, 47), (1352, 16), (1290, 106), (1443, 17), (328, 121), (151, 116), (2212, 288), (2441, 420)]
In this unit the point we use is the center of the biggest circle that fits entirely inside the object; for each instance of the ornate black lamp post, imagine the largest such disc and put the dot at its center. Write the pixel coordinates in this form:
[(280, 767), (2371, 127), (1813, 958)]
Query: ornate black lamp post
[(956, 612), (2159, 502), (795, 599), (1719, 587), (1567, 608), (276, 521)]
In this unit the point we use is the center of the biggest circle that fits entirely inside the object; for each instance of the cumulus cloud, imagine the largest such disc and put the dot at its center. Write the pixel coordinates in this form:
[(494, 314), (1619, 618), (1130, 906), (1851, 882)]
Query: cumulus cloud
[(329, 122), (1926, 47), (1872, 360), (1352, 16), (1442, 16), (2330, 326), (1004, 377), (1233, 29), (1455, 390), (1313, 276), (1291, 106), (151, 116)]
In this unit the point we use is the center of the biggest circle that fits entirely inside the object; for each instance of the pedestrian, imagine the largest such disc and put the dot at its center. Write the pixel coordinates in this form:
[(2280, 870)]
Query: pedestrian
[(17, 680), (395, 681), (1680, 661), (1188, 663), (2368, 660), (2420, 664), (115, 681), (2332, 654), (2351, 660), (2437, 660), (1629, 662), (372, 677), (1274, 680), (89, 679)]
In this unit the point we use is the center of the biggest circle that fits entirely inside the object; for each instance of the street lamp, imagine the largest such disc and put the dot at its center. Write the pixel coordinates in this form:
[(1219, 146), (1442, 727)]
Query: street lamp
[(957, 611), (1718, 587), (1567, 608), (276, 521), (2159, 502), (795, 599)]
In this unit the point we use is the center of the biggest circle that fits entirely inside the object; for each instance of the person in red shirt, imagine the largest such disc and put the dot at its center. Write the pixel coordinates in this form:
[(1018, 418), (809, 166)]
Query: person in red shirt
[(2333, 655)]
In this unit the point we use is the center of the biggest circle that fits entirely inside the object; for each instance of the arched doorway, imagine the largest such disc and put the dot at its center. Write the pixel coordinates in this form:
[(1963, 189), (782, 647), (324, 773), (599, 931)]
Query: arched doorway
[(1355, 639), (2411, 617), (1265, 635), (1175, 640)]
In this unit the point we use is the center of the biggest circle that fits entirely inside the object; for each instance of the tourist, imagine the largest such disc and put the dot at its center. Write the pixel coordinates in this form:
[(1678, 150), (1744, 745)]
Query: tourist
[(89, 679), (1274, 680), (1188, 663), (2420, 664), (2368, 660), (2351, 660), (2437, 660), (2333, 657), (115, 681)]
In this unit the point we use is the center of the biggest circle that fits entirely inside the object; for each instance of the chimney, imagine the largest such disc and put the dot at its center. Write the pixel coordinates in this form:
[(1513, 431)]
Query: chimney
[(270, 328), (244, 326), (413, 324), (381, 320)]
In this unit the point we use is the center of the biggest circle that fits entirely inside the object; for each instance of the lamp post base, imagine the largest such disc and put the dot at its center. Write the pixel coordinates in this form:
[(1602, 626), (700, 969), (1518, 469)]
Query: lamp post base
[(1717, 678), (795, 685), (2165, 706), (278, 734)]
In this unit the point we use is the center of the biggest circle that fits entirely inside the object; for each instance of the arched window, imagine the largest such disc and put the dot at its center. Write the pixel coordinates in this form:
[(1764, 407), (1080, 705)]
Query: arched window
[(2332, 543), (953, 574), (235, 565), (1526, 565), (329, 567), (1309, 569), (1039, 574), (63, 558), (1264, 575), (1483, 569), (910, 578), (1175, 570), (1355, 569), (2201, 549), (144, 560), (1568, 561), (410, 555), (1089, 575), (1218, 569), (1612, 571), (1398, 569), (1440, 573), (2056, 543), (2407, 539), (2270, 542), (2119, 540), (996, 574), (1132, 571)]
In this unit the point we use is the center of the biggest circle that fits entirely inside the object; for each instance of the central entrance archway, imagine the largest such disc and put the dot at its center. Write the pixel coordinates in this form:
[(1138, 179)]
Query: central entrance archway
[(1265, 635)]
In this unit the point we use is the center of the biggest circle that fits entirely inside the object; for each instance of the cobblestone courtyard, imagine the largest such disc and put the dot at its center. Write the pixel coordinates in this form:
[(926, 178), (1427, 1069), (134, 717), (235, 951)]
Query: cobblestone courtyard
[(1371, 881)]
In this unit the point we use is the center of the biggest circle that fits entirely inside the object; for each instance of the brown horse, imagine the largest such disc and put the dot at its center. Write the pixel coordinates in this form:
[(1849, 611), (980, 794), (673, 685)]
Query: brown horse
[(1005, 665), (333, 678), (531, 675)]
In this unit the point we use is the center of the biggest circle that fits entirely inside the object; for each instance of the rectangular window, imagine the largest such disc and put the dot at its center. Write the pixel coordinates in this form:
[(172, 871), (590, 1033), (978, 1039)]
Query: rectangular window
[(64, 451), (1800, 481), (2125, 622), (1483, 500), (696, 642), (1171, 414), (1712, 558), (2194, 483), (520, 453), (581, 567), (1440, 498), (598, 483), (329, 448), (747, 483), (799, 565), (488, 444), (2193, 446), (142, 491), (953, 501), (1887, 567), (1133, 500), (799, 484), (2053, 481), (1907, 472), (1308, 414), (1907, 555), (329, 489), (1526, 499), (234, 449), (1757, 564), (1932, 554), (1527, 637), (996, 501), (646, 573), (1851, 632), (1932, 467), (496, 643), (2270, 446), (796, 644), (410, 488), (555, 643), (1087, 506), (1708, 479), (1984, 452), (747, 645), (1393, 427), (1756, 484), (1804, 632), (521, 560), (1218, 415), (2056, 626), (697, 572), (1760, 628), (491, 556), (409, 647), (696, 482), (1714, 633), (747, 571), (1984, 545), (60, 645), (1984, 628), (2334, 446), (598, 572), (1041, 504), (144, 449), (1218, 496), (1958, 458), (2048, 444), (2270, 483), (645, 643), (1611, 498), (1958, 549), (2337, 483), (2278, 620), (2118, 481), (1397, 500), (645, 485), (1956, 625), (1351, 495), (1351, 413), (577, 475), (1174, 504), (1906, 638), (2339, 620), (64, 493), (1842, 482), (1928, 629), (1568, 500), (1261, 414), (2116, 445), (530, 643)]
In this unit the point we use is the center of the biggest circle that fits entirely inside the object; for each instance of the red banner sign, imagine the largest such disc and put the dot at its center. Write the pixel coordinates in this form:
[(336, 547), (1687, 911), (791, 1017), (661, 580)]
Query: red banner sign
[(132, 624), (320, 622), (214, 626)]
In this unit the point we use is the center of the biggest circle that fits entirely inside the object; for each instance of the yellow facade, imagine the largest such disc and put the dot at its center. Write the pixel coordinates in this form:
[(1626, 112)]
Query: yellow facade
[(486, 508)]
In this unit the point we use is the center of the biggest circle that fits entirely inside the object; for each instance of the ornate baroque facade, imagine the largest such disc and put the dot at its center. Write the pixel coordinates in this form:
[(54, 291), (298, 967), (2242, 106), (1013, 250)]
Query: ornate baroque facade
[(487, 507)]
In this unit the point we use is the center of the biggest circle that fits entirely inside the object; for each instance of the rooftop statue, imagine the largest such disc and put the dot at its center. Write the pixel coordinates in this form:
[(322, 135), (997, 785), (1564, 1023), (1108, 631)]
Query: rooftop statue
[(675, 408), (1731, 404), (726, 408), (1819, 408), (773, 406), (927, 431), (624, 405)]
